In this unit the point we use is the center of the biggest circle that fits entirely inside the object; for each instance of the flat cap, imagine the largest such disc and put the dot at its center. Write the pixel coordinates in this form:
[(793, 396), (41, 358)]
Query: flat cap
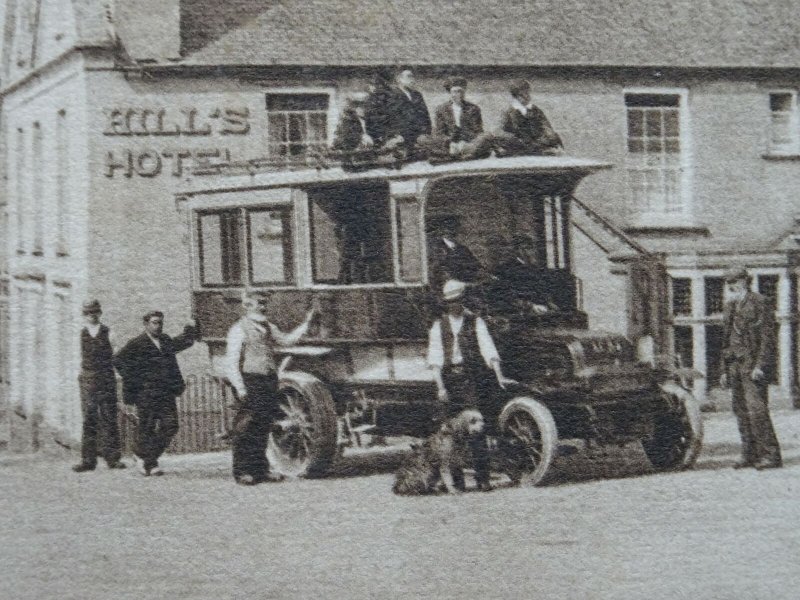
[(453, 289)]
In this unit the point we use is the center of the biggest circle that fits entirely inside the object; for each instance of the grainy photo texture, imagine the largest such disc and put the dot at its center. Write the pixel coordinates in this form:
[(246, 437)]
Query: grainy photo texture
[(399, 299)]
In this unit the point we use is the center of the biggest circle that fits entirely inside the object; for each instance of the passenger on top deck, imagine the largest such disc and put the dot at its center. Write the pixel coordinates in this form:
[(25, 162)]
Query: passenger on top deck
[(408, 116), (525, 128), (351, 132), (458, 128), (377, 106)]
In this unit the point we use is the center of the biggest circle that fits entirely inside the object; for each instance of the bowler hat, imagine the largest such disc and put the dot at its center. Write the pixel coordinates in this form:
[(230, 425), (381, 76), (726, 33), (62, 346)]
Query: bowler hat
[(452, 82), (91, 307), (453, 289), (518, 86), (736, 274)]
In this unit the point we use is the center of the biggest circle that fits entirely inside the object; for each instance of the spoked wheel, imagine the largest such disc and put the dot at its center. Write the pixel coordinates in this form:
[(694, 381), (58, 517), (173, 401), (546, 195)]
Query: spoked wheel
[(529, 438), (303, 439), (677, 431)]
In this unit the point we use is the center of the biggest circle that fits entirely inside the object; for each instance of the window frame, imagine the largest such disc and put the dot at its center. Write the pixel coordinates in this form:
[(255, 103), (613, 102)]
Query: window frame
[(793, 147), (287, 220), (331, 113), (660, 217)]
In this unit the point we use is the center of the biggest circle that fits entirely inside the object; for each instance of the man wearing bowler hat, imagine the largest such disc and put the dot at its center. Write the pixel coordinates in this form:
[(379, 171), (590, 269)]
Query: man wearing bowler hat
[(151, 380), (748, 352), (464, 360), (98, 393)]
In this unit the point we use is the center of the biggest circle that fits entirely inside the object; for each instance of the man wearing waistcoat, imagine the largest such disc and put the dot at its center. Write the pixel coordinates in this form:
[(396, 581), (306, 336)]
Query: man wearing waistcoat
[(252, 370), (98, 393), (463, 358), (151, 379), (748, 352)]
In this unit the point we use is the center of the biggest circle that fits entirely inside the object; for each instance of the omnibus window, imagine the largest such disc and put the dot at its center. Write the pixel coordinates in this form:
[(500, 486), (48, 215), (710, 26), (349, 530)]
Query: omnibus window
[(220, 248), (351, 235), (269, 243), (409, 239)]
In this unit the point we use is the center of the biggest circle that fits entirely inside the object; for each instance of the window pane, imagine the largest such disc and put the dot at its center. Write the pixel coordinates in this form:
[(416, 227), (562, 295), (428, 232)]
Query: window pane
[(297, 102), (672, 146), (219, 249), (715, 297), (683, 345), (654, 100), (671, 123), (410, 240), (682, 296), (780, 102), (270, 246), (654, 146), (317, 127), (653, 123), (635, 123), (298, 132), (635, 146)]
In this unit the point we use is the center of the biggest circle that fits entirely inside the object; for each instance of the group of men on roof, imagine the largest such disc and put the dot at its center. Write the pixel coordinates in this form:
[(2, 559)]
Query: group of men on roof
[(393, 119)]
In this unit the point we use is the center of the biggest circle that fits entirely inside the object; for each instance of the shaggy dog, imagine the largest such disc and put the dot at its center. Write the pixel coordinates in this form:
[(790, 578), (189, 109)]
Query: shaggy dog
[(440, 460)]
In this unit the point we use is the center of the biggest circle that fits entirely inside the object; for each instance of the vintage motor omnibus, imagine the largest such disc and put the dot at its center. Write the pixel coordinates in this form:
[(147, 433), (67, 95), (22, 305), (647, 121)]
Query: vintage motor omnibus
[(354, 244)]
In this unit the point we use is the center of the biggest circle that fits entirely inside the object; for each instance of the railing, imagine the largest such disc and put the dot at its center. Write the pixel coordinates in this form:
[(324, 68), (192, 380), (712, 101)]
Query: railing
[(203, 413)]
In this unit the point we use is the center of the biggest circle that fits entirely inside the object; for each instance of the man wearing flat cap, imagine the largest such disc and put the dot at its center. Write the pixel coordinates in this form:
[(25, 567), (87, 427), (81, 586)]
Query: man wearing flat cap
[(151, 380), (252, 369), (464, 361), (98, 393), (525, 128), (748, 352)]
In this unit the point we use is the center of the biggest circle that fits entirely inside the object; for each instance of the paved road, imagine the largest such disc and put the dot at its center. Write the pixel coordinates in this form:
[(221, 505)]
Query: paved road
[(606, 530)]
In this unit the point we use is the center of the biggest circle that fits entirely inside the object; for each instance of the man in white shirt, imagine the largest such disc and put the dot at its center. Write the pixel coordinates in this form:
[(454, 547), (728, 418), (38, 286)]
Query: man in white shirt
[(461, 354), (251, 368), (98, 393)]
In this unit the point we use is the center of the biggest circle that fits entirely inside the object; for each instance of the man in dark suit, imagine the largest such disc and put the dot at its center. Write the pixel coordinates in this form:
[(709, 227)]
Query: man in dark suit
[(521, 281), (748, 352), (151, 380), (351, 132), (458, 127), (448, 257), (525, 128), (408, 116)]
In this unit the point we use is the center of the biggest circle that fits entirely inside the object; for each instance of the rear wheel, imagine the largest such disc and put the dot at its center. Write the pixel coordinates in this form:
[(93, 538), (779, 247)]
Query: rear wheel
[(678, 430), (529, 438), (303, 439)]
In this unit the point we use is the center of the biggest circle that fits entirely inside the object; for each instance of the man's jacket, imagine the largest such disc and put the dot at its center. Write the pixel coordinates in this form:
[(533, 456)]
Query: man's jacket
[(754, 322)]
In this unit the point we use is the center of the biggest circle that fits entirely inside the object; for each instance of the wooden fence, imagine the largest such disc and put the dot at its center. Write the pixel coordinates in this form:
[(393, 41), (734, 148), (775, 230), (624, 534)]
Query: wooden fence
[(203, 411)]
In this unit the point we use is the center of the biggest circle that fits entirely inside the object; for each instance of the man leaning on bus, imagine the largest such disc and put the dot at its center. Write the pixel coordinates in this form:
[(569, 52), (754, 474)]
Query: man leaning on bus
[(252, 370)]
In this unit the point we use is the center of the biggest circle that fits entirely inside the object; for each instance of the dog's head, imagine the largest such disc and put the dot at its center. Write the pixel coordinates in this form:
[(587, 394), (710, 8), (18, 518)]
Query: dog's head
[(467, 422)]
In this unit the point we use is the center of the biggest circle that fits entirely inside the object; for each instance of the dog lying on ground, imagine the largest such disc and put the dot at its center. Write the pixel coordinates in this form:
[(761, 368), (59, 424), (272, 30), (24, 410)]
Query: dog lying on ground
[(440, 459)]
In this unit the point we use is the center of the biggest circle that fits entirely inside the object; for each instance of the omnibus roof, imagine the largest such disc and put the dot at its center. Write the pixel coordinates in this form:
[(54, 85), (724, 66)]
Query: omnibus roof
[(236, 176)]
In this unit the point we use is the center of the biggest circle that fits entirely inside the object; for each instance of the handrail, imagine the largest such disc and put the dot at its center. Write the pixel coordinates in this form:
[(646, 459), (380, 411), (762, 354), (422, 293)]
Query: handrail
[(610, 227)]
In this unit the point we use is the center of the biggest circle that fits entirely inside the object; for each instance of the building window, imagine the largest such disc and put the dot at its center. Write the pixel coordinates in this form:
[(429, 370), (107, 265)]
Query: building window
[(656, 155), (62, 161), (351, 236), (715, 295), (682, 296), (296, 124), (783, 134), (37, 201)]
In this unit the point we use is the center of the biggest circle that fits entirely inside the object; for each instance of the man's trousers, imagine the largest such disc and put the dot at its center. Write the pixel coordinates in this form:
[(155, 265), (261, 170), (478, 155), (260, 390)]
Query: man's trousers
[(252, 425), (158, 424), (100, 428), (752, 415)]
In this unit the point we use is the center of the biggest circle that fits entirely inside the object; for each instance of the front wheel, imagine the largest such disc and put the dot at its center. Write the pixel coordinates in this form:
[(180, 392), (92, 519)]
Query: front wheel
[(303, 439), (529, 439), (677, 431)]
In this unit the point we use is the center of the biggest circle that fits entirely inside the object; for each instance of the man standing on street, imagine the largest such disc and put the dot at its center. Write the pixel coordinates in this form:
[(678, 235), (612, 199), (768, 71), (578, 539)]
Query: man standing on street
[(463, 358), (748, 352), (252, 370), (151, 380), (98, 393)]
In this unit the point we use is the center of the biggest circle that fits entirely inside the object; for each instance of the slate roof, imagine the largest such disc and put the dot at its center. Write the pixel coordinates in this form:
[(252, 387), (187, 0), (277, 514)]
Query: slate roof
[(685, 33)]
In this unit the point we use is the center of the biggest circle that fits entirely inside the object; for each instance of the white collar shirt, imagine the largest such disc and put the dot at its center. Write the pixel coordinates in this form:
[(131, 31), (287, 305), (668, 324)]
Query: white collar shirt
[(486, 345), (457, 110), (522, 108)]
